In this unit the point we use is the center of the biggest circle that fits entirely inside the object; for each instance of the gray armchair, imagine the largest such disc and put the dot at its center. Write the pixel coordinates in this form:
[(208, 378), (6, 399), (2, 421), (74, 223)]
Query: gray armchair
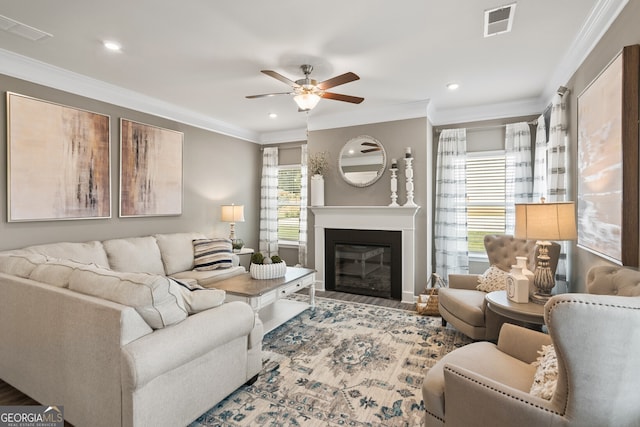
[(597, 343), (464, 307)]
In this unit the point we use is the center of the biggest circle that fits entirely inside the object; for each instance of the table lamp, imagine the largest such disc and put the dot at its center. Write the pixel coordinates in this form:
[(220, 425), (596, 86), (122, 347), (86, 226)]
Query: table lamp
[(233, 214), (545, 222)]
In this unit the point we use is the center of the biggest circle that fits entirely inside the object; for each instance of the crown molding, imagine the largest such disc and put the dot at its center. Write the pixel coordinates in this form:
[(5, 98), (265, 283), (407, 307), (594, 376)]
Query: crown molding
[(22, 67), (596, 25), (361, 116), (486, 112)]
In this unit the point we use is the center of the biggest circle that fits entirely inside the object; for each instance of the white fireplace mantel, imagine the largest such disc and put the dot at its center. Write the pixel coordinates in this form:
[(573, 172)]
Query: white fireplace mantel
[(369, 218)]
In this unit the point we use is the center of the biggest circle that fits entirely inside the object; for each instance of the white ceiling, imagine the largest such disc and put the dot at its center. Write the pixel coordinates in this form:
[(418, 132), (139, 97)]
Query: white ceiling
[(195, 60)]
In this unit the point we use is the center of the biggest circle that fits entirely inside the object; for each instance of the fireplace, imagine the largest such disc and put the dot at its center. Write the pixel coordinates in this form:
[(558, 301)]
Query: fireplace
[(383, 218), (365, 262)]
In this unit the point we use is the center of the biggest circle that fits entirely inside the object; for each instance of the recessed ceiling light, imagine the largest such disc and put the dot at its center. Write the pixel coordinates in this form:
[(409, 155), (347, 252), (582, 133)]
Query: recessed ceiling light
[(453, 86), (111, 45), (273, 115)]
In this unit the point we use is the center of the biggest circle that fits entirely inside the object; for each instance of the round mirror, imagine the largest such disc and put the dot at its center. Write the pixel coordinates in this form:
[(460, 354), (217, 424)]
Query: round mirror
[(362, 161)]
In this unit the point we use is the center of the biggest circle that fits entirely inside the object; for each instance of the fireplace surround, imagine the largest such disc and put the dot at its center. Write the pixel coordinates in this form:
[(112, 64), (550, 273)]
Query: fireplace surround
[(368, 218)]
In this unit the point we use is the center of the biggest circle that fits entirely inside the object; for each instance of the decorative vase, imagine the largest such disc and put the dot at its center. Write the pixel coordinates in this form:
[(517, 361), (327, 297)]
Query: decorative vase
[(521, 262), (268, 271), (317, 190), (237, 244), (517, 285)]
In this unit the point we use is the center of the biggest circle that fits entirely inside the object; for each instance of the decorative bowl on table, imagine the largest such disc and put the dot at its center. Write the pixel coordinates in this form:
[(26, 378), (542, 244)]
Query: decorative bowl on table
[(268, 271)]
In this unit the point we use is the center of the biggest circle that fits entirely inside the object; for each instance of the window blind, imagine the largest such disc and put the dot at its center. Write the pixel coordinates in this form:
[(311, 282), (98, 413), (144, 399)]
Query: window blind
[(486, 178), (289, 203)]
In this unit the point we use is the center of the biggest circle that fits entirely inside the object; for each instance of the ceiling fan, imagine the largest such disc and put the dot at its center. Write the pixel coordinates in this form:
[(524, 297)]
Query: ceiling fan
[(307, 91), (373, 145)]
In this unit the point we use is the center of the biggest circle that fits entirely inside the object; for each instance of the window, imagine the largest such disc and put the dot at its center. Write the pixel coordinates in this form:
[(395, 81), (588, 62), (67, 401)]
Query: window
[(486, 180), (289, 204)]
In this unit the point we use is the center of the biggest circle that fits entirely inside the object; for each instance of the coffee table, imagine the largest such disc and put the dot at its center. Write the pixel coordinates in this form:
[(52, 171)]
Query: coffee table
[(266, 297)]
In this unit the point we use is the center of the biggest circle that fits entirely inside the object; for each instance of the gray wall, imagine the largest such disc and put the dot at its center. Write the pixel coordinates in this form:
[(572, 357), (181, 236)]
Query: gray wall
[(394, 136), (623, 32), (217, 170)]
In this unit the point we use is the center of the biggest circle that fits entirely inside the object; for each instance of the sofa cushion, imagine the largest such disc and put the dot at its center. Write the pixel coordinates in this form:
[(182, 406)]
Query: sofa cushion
[(468, 305), (494, 279), (176, 250), (211, 254), (156, 298), (545, 378), (197, 298), (55, 272), (20, 264), (135, 255), (84, 253)]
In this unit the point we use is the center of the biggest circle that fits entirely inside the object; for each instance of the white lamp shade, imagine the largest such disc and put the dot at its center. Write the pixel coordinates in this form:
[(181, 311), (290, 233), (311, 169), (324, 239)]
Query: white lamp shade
[(306, 101), (546, 221), (232, 213)]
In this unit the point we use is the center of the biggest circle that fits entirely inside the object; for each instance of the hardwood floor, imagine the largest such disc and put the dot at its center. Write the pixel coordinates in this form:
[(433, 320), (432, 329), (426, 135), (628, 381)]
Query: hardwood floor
[(11, 396)]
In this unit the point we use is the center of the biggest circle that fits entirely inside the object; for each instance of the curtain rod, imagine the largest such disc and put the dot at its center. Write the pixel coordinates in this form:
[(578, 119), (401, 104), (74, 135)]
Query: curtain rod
[(532, 123)]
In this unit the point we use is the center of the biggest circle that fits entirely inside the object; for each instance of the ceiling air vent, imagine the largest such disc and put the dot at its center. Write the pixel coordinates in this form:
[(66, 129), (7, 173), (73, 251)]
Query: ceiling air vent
[(22, 30), (498, 20)]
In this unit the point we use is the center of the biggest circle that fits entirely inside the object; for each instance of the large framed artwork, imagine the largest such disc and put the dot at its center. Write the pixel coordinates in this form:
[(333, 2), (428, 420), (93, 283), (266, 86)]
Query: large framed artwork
[(58, 161), (608, 161), (150, 170)]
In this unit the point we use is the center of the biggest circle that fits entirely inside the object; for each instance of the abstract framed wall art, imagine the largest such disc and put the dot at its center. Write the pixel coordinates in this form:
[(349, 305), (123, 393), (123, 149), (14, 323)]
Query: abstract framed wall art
[(608, 161), (58, 161), (150, 170)]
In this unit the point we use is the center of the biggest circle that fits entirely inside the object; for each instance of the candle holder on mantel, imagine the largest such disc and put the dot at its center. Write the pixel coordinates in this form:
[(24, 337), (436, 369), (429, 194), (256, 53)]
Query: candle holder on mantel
[(394, 185), (409, 174)]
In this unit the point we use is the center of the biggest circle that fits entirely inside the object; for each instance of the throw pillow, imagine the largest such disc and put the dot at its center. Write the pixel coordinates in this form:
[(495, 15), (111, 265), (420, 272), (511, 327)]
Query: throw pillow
[(210, 254), (494, 279), (546, 376), (197, 298)]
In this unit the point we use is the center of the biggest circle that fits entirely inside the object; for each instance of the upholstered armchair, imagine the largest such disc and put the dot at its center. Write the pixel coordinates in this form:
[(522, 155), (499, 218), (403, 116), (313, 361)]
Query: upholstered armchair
[(597, 344), (462, 305)]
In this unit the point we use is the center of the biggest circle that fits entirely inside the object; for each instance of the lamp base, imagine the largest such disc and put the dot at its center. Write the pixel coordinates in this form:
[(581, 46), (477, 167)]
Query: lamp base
[(543, 279), (539, 298)]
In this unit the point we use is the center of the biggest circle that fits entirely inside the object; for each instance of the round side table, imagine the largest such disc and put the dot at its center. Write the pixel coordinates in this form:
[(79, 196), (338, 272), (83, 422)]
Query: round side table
[(529, 312)]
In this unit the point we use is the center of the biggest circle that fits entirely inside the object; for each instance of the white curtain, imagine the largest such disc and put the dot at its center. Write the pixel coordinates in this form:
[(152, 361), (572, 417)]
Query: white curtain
[(557, 177), (269, 202), (540, 162), (450, 232), (519, 179), (302, 241)]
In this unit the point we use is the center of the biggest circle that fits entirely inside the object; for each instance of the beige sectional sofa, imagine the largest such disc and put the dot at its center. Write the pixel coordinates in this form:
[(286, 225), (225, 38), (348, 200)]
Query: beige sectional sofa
[(102, 329)]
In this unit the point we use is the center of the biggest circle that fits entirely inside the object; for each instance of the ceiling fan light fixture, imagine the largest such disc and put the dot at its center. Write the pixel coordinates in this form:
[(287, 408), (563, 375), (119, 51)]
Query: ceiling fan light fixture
[(306, 101)]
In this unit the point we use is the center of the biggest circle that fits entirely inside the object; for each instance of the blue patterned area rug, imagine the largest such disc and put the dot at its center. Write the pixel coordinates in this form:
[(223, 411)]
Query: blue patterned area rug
[(344, 364)]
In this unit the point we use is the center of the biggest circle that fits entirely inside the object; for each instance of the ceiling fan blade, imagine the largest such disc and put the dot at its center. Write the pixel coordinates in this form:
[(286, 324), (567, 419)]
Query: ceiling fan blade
[(370, 150), (370, 144), (280, 77), (338, 80), (340, 97), (265, 95)]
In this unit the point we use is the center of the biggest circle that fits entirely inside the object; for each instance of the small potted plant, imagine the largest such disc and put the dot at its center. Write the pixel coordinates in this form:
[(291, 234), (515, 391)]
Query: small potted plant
[(267, 267)]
